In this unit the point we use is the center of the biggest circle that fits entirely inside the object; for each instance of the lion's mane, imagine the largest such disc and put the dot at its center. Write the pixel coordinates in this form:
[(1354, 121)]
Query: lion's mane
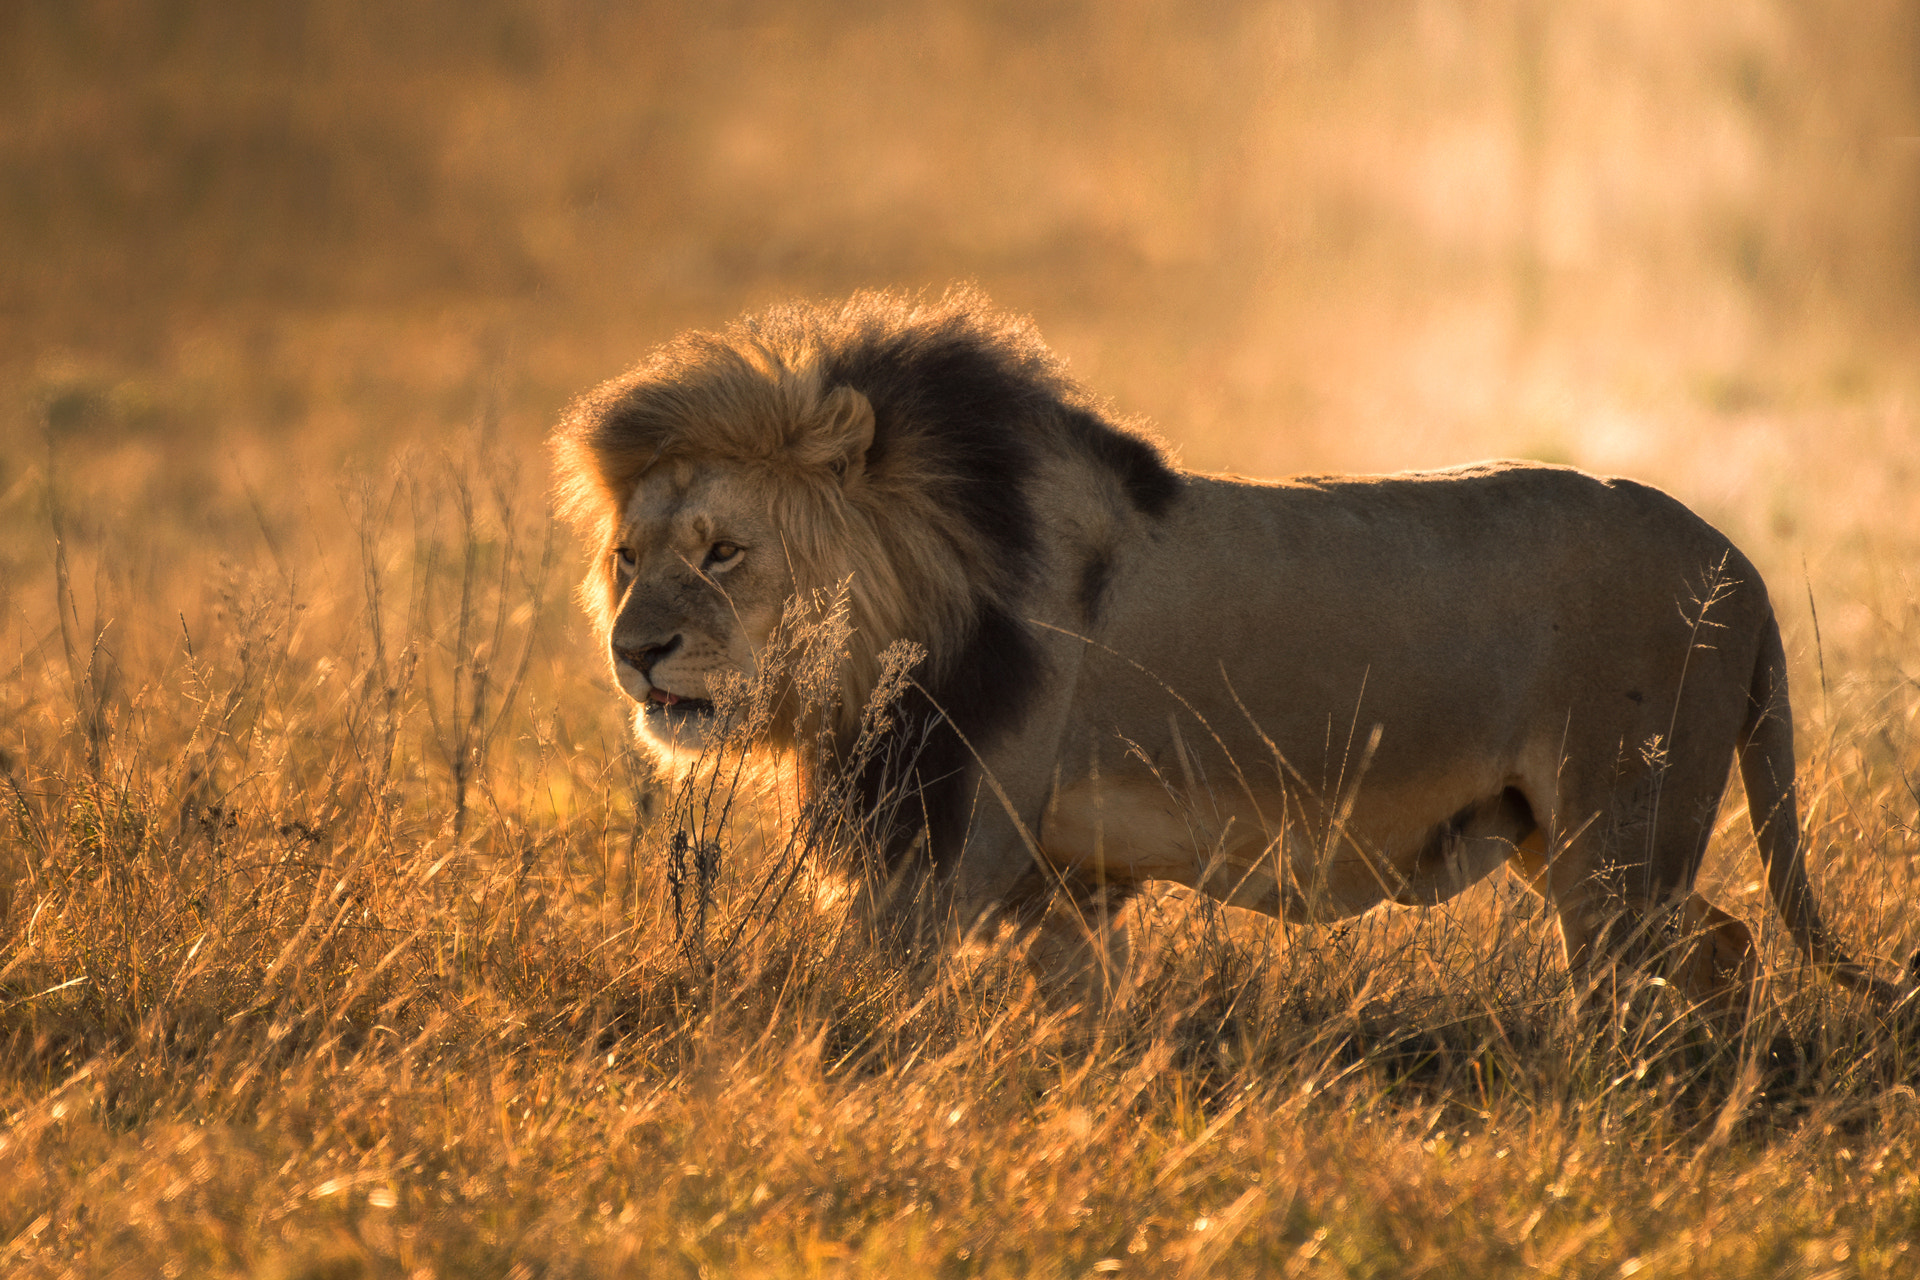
[(937, 537)]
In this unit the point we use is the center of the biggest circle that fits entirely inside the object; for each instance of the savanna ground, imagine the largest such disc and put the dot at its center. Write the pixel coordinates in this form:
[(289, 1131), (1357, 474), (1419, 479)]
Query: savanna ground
[(345, 936)]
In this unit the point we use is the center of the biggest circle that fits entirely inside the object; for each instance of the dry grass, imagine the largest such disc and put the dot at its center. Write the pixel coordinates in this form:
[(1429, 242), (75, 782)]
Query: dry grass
[(277, 1001), (342, 934)]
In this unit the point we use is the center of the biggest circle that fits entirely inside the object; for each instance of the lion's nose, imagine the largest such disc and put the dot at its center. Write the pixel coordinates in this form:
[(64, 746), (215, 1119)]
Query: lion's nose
[(643, 657)]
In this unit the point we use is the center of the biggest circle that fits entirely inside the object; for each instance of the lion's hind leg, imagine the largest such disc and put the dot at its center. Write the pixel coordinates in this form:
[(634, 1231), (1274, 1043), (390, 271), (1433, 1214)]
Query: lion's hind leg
[(1716, 964), (1581, 926), (1608, 934)]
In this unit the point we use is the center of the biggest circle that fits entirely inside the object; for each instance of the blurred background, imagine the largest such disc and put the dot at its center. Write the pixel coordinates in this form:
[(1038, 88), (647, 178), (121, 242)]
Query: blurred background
[(251, 247)]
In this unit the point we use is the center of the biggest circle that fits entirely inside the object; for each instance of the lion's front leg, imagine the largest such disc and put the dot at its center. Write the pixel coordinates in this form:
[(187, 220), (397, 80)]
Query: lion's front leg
[(1077, 946)]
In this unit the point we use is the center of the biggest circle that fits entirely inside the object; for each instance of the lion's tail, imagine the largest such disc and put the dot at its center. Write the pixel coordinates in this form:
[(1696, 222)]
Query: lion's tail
[(1766, 769)]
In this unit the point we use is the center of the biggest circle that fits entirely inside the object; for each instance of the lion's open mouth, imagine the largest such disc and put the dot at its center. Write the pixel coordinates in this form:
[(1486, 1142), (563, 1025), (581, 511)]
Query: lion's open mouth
[(660, 702)]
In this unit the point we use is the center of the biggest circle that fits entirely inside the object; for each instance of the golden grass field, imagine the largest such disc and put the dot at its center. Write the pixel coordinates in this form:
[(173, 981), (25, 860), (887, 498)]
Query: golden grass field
[(339, 936)]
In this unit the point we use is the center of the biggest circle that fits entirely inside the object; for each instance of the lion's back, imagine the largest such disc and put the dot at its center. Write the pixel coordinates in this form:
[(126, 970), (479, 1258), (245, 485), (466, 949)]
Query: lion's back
[(1459, 598)]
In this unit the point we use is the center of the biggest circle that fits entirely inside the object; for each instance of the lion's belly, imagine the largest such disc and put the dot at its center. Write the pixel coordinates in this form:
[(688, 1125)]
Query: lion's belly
[(1250, 851)]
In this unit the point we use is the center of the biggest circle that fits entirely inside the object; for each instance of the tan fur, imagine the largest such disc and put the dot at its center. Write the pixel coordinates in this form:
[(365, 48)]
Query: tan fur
[(1307, 698)]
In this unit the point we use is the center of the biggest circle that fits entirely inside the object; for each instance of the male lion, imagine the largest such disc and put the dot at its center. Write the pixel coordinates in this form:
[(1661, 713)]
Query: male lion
[(1305, 697)]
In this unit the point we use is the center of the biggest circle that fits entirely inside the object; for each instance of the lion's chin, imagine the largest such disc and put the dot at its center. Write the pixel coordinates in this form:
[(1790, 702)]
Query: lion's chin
[(676, 735)]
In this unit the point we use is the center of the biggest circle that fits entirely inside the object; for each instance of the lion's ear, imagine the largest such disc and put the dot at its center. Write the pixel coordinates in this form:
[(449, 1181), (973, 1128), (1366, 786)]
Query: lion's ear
[(845, 431)]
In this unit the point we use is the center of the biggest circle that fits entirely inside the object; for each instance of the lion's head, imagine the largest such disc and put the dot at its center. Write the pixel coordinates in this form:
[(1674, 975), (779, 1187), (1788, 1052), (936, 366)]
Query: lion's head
[(884, 446)]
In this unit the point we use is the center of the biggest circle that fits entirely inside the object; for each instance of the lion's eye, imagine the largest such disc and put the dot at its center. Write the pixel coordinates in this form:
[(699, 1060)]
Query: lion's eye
[(625, 558), (723, 555)]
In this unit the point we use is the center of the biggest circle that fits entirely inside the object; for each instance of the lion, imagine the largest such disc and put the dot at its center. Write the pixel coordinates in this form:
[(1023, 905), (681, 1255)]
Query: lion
[(1304, 697)]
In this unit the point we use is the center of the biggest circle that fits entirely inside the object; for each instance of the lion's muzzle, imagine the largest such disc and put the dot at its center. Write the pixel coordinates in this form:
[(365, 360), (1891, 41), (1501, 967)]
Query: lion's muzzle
[(643, 657), (633, 665)]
